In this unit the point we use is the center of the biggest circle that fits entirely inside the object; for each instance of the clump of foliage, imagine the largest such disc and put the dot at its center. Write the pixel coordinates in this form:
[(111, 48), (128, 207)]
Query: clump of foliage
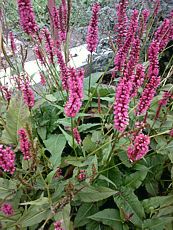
[(79, 154)]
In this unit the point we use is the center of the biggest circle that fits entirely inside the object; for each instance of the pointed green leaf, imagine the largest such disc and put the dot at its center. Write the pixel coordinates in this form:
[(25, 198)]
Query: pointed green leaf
[(110, 217)]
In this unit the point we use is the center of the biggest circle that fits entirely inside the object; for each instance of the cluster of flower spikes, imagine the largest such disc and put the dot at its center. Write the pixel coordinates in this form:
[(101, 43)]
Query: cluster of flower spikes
[(7, 159), (28, 94), (92, 34), (75, 90), (27, 17), (139, 148), (25, 145), (7, 209), (76, 135), (125, 85), (121, 25)]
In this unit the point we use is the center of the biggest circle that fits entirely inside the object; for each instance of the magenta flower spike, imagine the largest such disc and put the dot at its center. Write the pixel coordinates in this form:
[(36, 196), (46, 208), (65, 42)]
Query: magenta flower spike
[(139, 148), (92, 34), (24, 144), (27, 17)]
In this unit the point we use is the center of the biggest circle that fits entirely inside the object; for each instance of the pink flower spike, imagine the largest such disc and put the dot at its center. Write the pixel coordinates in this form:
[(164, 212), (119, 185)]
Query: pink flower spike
[(24, 144), (139, 148), (7, 159), (77, 136), (27, 17), (42, 79), (75, 86), (122, 100), (57, 225), (12, 42), (121, 26), (7, 209), (49, 45), (28, 95), (92, 34)]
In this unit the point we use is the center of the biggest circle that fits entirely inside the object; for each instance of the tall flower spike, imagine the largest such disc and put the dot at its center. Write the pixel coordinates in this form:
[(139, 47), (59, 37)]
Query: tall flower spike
[(63, 69), (24, 144), (153, 79), (75, 86), (63, 19), (12, 42), (122, 100), (7, 159), (121, 26), (27, 17), (49, 45), (77, 135), (162, 35), (28, 95), (137, 80), (122, 53), (139, 148), (92, 34)]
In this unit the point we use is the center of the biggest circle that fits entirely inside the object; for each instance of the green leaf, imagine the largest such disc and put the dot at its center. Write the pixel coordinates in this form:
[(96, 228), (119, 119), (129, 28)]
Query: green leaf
[(94, 78), (129, 203), (55, 145), (34, 215), (7, 188), (93, 194), (135, 180), (17, 116), (42, 200), (88, 145), (84, 211), (85, 127), (157, 223), (110, 217), (155, 202), (42, 132)]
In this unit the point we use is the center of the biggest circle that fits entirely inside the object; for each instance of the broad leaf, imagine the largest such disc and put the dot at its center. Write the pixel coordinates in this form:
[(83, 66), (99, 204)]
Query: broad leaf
[(110, 217), (34, 215), (7, 188), (157, 223), (84, 211), (93, 194), (16, 117), (131, 206), (55, 145), (134, 180)]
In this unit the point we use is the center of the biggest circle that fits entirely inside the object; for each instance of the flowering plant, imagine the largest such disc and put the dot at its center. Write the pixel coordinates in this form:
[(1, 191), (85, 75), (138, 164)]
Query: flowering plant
[(76, 153)]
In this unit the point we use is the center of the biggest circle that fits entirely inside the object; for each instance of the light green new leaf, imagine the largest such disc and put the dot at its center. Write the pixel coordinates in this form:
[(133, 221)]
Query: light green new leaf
[(55, 145), (17, 116), (129, 203), (110, 217), (94, 194)]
